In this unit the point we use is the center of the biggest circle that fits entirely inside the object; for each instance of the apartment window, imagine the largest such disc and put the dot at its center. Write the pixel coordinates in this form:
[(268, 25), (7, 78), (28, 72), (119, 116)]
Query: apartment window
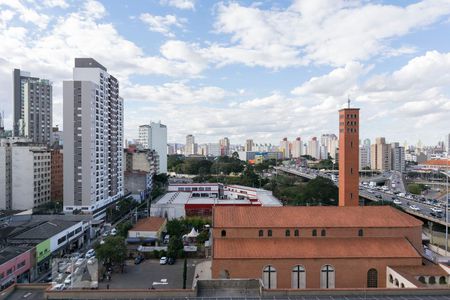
[(223, 233), (296, 232), (360, 232), (314, 232), (269, 232), (288, 232), (261, 232)]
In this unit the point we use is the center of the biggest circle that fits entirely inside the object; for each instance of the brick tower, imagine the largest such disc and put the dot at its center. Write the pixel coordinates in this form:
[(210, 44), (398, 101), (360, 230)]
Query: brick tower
[(349, 156)]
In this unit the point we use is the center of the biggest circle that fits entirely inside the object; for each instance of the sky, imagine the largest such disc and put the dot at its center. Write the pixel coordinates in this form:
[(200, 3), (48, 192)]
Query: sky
[(242, 69)]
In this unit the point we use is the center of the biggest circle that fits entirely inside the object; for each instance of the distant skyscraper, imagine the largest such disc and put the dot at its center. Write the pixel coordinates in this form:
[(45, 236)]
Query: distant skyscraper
[(448, 144), (380, 155), (398, 158), (32, 116), (189, 149), (224, 146), (313, 148), (330, 141), (213, 149), (249, 145), (93, 139), (284, 148), (154, 137), (364, 155), (297, 148)]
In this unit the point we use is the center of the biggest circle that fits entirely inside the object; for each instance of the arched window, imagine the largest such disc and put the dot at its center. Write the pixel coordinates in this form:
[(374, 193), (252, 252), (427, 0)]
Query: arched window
[(402, 286), (323, 232), (391, 279), (223, 233), (269, 232), (432, 280), (327, 277), (270, 277), (298, 277), (396, 282), (372, 278), (288, 232), (360, 232), (422, 279), (261, 232), (314, 232), (296, 232), (442, 280)]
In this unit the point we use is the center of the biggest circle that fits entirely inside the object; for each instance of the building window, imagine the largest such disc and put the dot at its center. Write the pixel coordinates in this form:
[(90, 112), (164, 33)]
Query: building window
[(432, 280), (296, 232), (314, 232), (391, 279), (327, 277), (223, 233), (396, 282), (288, 232), (298, 277), (442, 280), (261, 232), (372, 278), (323, 232), (269, 232), (270, 277), (402, 286), (422, 279), (360, 232)]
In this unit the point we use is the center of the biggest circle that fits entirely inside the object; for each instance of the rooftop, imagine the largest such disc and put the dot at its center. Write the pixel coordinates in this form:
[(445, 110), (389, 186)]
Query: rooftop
[(437, 162), (149, 224), (10, 252), (39, 231), (272, 248), (312, 217)]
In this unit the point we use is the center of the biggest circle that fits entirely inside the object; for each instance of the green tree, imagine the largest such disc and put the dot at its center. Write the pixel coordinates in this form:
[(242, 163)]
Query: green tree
[(112, 252), (416, 188), (122, 229), (174, 247)]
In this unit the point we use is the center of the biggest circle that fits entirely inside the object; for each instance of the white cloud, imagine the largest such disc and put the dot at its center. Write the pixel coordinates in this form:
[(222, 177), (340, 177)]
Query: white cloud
[(26, 14), (162, 24), (94, 9), (56, 3), (181, 4)]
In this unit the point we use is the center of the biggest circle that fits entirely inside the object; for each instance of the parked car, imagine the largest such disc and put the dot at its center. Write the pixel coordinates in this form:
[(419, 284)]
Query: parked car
[(163, 260), (90, 253), (139, 259), (113, 232), (436, 210), (415, 208), (68, 279), (398, 202), (171, 261)]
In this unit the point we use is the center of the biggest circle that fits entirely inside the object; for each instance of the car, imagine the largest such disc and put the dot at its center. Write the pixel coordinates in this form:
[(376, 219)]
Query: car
[(113, 232), (91, 260), (414, 207), (68, 280), (59, 277), (436, 210), (90, 253), (378, 196), (398, 202), (163, 260), (171, 261), (58, 287), (139, 259), (79, 262), (105, 234)]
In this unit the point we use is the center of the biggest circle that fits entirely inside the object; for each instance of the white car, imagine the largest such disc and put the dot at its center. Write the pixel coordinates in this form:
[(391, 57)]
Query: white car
[(114, 232), (413, 207), (58, 287), (79, 262), (90, 253), (92, 260), (436, 210), (68, 279), (398, 202), (163, 260)]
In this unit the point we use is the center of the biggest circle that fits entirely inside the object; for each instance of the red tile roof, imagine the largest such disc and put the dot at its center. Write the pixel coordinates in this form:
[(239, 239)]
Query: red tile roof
[(312, 216), (273, 248), (149, 224), (437, 162)]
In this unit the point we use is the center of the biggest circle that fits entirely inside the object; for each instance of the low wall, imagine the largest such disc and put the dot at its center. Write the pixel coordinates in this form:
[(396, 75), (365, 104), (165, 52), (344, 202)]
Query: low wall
[(120, 294), (355, 292)]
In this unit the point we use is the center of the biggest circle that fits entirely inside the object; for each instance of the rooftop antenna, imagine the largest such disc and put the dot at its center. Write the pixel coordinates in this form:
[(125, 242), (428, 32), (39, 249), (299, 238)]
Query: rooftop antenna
[(348, 100)]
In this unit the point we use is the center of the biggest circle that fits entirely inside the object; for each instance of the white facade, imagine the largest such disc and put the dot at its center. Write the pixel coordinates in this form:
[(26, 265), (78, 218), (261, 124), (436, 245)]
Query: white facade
[(93, 136), (213, 149), (313, 148), (284, 148), (331, 143), (364, 157), (297, 148), (154, 137), (189, 149), (398, 158)]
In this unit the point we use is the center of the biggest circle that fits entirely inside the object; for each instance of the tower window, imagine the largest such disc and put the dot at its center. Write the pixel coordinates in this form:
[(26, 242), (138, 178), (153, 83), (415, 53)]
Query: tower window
[(223, 233)]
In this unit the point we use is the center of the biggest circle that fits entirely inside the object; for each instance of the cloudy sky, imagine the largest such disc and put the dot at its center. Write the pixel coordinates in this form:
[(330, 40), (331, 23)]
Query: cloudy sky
[(263, 70)]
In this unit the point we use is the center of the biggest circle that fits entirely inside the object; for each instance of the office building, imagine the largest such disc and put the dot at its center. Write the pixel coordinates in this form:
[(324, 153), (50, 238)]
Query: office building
[(313, 148), (448, 144), (224, 146), (93, 139), (330, 141), (24, 174), (190, 145), (213, 149), (398, 158), (249, 145), (203, 149), (154, 137), (285, 149), (380, 155), (32, 116), (364, 155)]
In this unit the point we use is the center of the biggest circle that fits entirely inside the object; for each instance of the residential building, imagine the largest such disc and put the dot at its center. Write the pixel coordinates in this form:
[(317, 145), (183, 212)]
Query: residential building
[(259, 155), (330, 141), (154, 137), (297, 148), (33, 107), (213, 149), (398, 158), (364, 155), (284, 148), (93, 139), (448, 144), (313, 148), (249, 145), (190, 145), (56, 138), (380, 155), (57, 175), (224, 146), (25, 179), (149, 229), (203, 149), (15, 265)]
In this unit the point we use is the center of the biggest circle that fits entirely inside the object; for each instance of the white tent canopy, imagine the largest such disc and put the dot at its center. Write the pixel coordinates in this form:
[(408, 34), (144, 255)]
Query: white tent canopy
[(193, 233)]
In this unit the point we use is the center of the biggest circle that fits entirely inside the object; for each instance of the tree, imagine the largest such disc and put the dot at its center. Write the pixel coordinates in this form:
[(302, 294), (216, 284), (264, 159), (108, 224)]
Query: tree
[(175, 246), (122, 229), (112, 252)]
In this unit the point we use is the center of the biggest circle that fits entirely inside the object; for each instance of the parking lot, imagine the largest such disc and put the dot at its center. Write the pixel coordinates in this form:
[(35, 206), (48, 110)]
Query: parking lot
[(150, 273)]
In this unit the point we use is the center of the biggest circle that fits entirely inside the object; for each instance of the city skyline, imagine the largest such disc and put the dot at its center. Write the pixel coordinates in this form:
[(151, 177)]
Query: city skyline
[(191, 66)]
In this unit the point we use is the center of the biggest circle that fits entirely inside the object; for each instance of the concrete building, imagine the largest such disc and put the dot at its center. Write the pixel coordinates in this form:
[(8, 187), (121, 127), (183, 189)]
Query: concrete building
[(249, 145), (259, 155), (285, 149), (203, 149), (213, 149), (313, 148), (364, 155), (190, 145), (93, 139), (56, 138), (33, 107), (25, 179), (297, 148), (224, 146), (380, 155), (398, 158), (330, 141), (154, 137), (57, 175), (448, 144)]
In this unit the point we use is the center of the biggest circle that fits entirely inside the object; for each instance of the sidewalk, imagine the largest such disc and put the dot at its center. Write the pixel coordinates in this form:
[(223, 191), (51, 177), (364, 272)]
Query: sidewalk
[(203, 270)]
